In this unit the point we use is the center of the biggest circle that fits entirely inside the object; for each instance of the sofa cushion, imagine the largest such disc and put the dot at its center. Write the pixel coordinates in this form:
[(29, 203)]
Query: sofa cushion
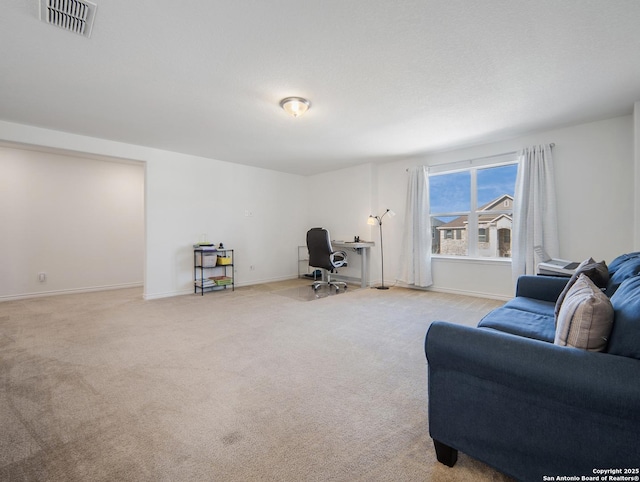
[(625, 270), (597, 272), (533, 305), (586, 317), (531, 324), (617, 262), (625, 336)]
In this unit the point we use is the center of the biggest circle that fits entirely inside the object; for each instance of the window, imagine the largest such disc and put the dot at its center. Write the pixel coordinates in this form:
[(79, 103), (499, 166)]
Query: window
[(476, 199)]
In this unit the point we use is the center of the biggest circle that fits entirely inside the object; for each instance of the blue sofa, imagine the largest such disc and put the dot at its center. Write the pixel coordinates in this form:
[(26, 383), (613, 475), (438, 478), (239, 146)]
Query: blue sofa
[(505, 394)]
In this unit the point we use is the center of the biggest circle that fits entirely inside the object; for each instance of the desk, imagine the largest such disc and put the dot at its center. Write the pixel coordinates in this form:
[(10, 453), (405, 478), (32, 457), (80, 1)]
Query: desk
[(362, 248)]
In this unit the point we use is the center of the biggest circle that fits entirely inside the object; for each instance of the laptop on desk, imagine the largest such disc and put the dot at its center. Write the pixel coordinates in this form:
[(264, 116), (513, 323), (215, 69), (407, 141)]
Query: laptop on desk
[(554, 266)]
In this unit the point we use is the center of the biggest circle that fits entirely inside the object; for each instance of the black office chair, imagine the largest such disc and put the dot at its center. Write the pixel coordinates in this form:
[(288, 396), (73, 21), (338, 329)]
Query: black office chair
[(322, 255)]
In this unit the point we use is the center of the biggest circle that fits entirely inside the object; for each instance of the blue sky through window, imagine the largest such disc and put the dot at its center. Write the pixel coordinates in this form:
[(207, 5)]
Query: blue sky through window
[(449, 193), (493, 182)]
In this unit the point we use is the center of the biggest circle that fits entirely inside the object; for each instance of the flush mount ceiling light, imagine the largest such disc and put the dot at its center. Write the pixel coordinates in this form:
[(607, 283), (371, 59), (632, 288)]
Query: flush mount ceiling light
[(295, 106)]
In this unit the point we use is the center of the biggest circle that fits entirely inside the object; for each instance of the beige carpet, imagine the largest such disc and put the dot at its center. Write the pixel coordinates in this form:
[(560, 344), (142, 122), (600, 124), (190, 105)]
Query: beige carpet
[(251, 385)]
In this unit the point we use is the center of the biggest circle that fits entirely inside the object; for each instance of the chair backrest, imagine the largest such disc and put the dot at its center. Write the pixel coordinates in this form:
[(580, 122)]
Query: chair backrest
[(319, 246)]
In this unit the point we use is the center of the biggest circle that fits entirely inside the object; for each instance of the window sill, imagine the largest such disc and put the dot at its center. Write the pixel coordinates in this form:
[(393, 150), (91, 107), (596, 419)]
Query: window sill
[(471, 260)]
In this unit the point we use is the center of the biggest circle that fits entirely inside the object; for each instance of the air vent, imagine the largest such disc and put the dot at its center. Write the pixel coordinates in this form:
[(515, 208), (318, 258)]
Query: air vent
[(73, 15)]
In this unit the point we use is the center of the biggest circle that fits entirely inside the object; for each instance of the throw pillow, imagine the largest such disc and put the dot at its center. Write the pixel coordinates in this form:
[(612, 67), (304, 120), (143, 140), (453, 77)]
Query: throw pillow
[(586, 317), (597, 272)]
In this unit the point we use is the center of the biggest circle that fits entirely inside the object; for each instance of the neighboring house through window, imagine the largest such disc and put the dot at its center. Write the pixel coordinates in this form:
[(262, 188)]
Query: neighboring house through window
[(476, 199)]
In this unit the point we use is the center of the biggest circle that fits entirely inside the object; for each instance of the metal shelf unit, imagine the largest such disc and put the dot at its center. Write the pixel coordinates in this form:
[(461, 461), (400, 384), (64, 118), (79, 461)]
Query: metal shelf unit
[(208, 274)]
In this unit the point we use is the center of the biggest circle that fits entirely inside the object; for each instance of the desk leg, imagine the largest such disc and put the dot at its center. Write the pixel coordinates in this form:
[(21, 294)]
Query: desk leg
[(364, 271)]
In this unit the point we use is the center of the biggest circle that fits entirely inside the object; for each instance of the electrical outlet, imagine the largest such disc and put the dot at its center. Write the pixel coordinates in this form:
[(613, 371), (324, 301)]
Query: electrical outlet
[(42, 277), (252, 267)]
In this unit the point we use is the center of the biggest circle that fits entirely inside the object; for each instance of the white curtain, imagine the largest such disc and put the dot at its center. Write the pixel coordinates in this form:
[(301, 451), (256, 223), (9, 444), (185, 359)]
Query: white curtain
[(415, 262), (535, 220)]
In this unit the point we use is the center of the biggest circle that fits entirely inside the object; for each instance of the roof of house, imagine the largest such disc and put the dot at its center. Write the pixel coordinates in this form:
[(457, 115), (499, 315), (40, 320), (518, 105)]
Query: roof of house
[(485, 215)]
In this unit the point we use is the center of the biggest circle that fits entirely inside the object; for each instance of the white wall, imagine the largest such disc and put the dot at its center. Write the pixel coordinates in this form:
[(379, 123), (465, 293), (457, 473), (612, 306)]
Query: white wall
[(79, 220), (187, 196), (184, 197), (595, 183), (341, 201)]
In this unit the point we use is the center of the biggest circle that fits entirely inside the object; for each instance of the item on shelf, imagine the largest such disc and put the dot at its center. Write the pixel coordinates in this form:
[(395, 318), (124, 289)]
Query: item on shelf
[(209, 261), (205, 259), (221, 280), (224, 260), (206, 283), (205, 247)]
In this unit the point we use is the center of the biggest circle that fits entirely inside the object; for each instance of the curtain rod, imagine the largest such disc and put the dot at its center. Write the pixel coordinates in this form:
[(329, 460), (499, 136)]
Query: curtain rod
[(553, 144)]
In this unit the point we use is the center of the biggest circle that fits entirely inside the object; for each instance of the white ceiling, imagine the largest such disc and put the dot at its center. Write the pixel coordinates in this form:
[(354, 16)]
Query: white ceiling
[(386, 79)]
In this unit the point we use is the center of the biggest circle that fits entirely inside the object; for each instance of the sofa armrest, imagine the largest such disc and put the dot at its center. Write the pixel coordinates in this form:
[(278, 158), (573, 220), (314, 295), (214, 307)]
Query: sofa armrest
[(545, 288), (527, 407)]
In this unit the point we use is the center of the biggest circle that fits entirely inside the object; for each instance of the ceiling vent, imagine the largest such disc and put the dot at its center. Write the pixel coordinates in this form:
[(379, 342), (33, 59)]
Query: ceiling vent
[(73, 15)]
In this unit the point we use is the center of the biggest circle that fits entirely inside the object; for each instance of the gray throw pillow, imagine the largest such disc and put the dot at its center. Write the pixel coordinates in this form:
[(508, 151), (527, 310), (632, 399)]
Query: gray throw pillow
[(597, 272), (586, 317)]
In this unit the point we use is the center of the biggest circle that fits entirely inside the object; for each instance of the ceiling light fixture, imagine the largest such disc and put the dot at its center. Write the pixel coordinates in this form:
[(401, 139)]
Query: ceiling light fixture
[(295, 106)]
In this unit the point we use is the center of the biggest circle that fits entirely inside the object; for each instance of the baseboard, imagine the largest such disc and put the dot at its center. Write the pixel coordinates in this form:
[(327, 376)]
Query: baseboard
[(477, 294), (69, 291), (189, 291), (166, 294)]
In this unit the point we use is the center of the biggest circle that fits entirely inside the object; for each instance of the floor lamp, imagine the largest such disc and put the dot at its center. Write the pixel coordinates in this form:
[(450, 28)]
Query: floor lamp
[(372, 221)]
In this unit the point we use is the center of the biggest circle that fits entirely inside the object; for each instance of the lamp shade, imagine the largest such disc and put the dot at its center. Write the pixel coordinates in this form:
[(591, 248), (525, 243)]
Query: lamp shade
[(295, 106), (371, 221)]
